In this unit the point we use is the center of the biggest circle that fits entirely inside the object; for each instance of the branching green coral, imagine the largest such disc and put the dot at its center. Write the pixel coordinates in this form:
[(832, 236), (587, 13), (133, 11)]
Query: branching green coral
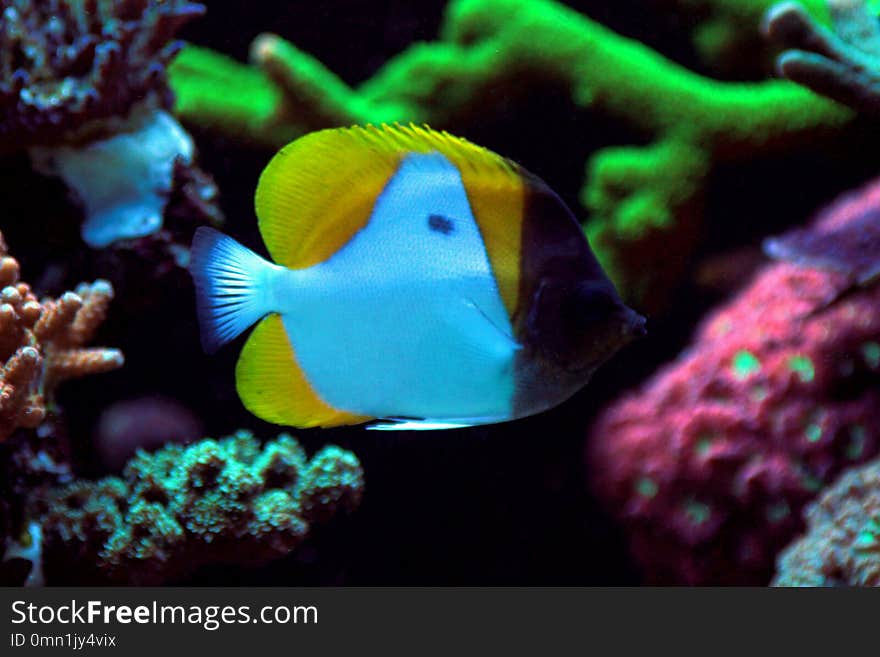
[(645, 201), (217, 501), (842, 63)]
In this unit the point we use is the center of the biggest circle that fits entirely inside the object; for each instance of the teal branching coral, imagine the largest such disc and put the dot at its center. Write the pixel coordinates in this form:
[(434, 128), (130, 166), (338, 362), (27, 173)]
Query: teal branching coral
[(841, 546), (214, 502), (645, 201), (841, 62)]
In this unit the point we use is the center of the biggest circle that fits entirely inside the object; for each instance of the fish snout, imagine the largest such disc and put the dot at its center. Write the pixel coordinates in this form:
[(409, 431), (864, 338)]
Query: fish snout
[(633, 326)]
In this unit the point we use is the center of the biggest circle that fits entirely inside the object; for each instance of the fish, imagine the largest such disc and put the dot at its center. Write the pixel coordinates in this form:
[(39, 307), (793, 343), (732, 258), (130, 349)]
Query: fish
[(417, 281)]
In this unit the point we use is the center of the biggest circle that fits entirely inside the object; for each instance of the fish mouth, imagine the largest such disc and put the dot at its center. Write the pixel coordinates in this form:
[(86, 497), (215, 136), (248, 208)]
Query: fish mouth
[(634, 325)]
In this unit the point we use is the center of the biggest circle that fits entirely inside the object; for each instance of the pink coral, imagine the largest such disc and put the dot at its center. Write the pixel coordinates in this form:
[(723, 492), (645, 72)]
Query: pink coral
[(710, 463)]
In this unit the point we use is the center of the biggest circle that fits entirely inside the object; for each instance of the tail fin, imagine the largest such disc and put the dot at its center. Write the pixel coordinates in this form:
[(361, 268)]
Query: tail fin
[(231, 287)]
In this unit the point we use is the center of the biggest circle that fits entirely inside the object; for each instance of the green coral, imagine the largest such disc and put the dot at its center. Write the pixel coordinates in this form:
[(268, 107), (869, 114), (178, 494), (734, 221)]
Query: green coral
[(217, 501), (645, 201)]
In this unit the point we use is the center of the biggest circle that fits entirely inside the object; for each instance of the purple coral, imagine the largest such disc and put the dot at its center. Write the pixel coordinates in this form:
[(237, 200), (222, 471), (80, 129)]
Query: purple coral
[(709, 464)]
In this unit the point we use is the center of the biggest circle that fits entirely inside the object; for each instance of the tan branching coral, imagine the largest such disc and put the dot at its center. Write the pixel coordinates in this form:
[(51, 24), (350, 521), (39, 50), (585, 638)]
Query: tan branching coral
[(21, 404), (66, 325), (41, 343)]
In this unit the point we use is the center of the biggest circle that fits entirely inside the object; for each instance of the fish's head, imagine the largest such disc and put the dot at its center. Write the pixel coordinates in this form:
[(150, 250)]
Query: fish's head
[(578, 325)]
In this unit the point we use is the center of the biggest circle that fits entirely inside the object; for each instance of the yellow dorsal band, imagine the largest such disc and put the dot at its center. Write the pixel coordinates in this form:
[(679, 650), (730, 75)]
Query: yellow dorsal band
[(272, 385), (319, 190)]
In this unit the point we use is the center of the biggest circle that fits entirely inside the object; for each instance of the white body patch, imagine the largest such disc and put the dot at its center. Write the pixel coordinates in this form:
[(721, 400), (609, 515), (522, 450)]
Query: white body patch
[(406, 320), (123, 180)]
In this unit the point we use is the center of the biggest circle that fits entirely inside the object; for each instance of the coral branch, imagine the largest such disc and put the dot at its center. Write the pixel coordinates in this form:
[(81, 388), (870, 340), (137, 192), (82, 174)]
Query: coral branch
[(42, 344), (320, 98), (65, 65), (83, 90), (642, 199), (21, 405), (65, 325), (843, 63), (841, 546), (227, 501)]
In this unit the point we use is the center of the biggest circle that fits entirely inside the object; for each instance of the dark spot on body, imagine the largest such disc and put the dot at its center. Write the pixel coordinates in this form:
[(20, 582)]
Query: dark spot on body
[(441, 224)]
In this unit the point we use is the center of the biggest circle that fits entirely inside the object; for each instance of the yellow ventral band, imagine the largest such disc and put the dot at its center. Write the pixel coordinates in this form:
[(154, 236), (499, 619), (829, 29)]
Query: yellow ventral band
[(272, 385), (318, 191)]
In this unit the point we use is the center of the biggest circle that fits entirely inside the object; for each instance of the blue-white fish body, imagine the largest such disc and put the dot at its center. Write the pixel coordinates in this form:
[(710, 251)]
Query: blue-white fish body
[(406, 321)]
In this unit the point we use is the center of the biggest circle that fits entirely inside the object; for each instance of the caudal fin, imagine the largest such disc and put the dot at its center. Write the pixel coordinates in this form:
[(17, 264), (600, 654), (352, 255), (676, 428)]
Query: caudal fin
[(231, 287)]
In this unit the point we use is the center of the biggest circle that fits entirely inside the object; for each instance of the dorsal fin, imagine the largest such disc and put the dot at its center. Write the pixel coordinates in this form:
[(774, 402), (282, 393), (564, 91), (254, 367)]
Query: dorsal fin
[(319, 190)]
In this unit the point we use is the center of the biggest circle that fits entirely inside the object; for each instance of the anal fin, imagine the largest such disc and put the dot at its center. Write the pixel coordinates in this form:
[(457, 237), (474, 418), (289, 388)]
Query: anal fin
[(272, 385)]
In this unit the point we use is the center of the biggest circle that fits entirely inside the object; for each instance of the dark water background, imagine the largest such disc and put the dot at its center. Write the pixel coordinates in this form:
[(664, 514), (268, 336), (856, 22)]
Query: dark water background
[(507, 504)]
